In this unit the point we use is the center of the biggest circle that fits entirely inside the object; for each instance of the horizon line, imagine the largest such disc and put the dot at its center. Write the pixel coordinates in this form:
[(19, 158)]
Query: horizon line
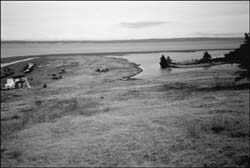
[(123, 40)]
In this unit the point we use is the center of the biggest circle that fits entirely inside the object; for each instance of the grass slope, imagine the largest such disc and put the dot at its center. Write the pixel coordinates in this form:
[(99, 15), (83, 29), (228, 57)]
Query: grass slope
[(97, 119)]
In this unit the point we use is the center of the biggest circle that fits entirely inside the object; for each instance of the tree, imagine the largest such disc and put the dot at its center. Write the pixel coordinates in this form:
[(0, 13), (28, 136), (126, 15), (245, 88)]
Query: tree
[(206, 57), (169, 60), (165, 62), (243, 59), (163, 59), (241, 56)]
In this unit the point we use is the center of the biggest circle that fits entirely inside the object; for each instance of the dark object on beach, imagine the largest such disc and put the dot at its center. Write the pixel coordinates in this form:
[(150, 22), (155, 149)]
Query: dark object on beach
[(165, 63), (62, 71), (15, 117), (44, 85), (102, 70), (55, 76)]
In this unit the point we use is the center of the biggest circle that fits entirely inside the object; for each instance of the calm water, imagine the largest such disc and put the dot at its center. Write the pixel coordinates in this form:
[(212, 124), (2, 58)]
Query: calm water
[(151, 67), (149, 62), (26, 49)]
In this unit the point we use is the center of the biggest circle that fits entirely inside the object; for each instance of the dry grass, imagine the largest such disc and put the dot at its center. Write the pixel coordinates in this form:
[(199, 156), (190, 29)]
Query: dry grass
[(47, 111), (226, 136), (99, 120), (218, 124)]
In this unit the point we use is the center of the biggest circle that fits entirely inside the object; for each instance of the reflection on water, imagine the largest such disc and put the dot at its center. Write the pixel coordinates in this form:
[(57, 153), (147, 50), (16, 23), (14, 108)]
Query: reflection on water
[(151, 67), (206, 67), (168, 70)]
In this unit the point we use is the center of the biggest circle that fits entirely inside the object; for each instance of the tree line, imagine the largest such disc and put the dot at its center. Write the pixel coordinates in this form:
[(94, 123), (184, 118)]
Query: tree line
[(239, 56)]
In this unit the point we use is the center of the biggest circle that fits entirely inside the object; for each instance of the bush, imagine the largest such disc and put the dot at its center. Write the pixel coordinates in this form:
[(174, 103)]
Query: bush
[(206, 57), (165, 62), (241, 56)]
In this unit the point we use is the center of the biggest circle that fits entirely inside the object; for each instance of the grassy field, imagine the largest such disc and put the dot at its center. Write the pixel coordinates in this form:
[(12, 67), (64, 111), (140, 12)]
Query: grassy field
[(192, 119)]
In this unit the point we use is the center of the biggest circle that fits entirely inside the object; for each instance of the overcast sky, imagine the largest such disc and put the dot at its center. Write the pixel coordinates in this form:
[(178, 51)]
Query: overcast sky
[(103, 20)]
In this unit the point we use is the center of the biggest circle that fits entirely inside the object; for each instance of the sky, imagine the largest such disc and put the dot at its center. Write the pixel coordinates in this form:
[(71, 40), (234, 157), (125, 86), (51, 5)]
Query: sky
[(117, 20)]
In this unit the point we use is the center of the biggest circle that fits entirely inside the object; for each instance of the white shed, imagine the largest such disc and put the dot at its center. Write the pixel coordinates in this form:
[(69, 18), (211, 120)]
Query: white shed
[(10, 83)]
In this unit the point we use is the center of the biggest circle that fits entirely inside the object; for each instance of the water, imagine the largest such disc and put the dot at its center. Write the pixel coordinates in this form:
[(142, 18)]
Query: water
[(10, 49), (151, 67), (149, 62)]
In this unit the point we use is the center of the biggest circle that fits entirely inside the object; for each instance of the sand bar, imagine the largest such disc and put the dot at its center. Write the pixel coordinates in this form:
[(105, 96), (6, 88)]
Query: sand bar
[(14, 62)]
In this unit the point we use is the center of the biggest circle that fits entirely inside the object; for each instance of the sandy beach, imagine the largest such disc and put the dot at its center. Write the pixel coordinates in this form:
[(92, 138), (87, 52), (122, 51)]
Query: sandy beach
[(87, 118)]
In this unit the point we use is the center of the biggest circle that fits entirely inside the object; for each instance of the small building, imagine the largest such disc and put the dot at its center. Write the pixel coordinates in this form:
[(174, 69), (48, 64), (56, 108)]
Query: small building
[(10, 84), (16, 81)]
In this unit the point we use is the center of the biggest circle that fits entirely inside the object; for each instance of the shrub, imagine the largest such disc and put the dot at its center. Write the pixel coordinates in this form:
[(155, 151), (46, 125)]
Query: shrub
[(241, 56)]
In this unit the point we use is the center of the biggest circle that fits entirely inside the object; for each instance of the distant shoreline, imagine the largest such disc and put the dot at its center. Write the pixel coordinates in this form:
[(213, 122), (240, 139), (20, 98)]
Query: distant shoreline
[(123, 41), (14, 58)]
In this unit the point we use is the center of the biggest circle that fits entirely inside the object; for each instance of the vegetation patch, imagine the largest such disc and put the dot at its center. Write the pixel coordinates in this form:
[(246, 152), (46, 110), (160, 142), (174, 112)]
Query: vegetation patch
[(217, 124), (48, 111)]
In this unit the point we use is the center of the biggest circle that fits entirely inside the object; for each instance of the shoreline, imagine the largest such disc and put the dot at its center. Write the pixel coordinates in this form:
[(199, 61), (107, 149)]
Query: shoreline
[(15, 58), (137, 66), (198, 65), (14, 62), (15, 65), (131, 76)]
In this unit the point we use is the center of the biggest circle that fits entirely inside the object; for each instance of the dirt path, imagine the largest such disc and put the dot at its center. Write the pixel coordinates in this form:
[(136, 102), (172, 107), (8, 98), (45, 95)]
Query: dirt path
[(99, 119)]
